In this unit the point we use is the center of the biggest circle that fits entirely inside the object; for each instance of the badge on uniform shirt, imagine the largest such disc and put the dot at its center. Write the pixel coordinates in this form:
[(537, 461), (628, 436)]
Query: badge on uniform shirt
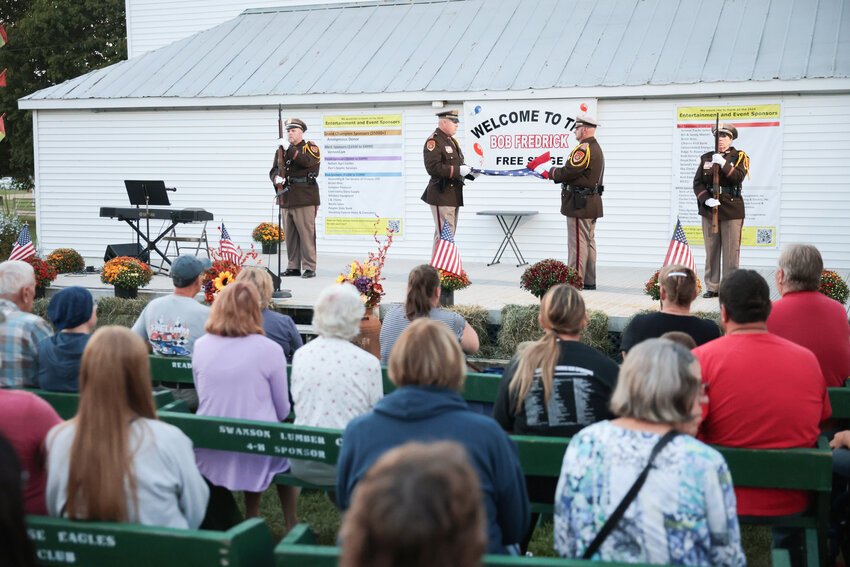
[(707, 165), (448, 149), (431, 145)]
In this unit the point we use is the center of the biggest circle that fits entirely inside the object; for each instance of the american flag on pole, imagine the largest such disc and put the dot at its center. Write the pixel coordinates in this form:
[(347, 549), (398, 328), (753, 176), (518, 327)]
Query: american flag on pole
[(23, 248), (446, 257), (229, 251), (679, 252)]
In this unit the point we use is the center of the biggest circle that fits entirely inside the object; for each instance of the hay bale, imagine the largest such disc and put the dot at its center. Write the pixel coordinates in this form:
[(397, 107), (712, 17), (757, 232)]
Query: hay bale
[(479, 319), (118, 311), (596, 333), (519, 324)]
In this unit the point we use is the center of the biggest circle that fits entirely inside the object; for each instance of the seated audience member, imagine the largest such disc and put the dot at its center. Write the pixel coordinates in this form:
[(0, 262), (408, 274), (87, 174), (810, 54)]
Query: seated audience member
[(278, 327), (241, 374), (25, 420), (678, 289), (16, 549), (809, 318), (428, 367), (684, 514), (20, 330), (419, 505), (681, 338), (74, 315), (423, 299), (171, 324), (333, 380), (558, 385), (115, 461), (765, 393)]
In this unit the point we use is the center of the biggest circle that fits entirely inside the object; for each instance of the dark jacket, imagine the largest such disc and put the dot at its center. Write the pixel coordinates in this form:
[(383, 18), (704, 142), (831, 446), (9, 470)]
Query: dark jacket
[(731, 176), (59, 361), (301, 167), (585, 169), (443, 159), (427, 413)]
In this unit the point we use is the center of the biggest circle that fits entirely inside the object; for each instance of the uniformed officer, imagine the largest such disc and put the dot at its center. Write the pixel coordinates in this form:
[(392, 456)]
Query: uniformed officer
[(444, 163), (734, 165), (581, 197), (295, 180)]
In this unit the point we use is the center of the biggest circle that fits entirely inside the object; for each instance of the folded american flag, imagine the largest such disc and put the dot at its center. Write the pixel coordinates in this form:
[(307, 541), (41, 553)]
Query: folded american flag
[(528, 170)]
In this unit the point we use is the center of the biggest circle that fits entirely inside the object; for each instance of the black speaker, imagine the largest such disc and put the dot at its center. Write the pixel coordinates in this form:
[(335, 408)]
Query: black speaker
[(132, 249)]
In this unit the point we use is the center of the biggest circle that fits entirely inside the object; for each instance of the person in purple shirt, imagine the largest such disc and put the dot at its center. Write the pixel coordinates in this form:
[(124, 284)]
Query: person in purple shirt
[(239, 373)]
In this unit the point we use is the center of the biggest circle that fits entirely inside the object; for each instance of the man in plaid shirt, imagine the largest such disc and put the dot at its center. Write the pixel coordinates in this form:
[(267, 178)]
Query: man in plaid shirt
[(20, 330)]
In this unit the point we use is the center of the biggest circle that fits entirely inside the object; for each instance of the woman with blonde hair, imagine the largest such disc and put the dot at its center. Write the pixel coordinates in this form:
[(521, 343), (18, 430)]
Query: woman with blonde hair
[(241, 374), (428, 368), (114, 461), (557, 385), (423, 300), (278, 327), (678, 287), (676, 492), (419, 505)]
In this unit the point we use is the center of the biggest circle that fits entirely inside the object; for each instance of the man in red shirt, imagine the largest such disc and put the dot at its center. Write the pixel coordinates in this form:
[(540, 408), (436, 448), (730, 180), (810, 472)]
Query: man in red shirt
[(764, 392), (809, 318)]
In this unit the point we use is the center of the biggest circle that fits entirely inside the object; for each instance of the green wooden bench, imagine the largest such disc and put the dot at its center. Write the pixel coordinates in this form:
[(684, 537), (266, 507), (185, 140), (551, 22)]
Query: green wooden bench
[(298, 548), (839, 399), (64, 542), (65, 403)]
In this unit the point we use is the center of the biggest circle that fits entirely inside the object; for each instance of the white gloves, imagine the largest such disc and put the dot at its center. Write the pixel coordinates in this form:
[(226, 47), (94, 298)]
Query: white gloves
[(284, 143), (278, 179), (475, 174), (465, 170), (712, 202), (718, 159)]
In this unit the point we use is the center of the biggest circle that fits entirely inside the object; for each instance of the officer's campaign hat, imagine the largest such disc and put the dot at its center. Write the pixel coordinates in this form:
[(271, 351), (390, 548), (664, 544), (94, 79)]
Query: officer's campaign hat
[(726, 128), (586, 120), (295, 123), (449, 115)]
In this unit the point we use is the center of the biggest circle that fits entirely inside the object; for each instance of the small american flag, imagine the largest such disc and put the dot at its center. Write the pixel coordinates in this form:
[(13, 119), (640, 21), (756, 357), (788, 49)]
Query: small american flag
[(229, 251), (446, 257), (679, 252), (23, 248)]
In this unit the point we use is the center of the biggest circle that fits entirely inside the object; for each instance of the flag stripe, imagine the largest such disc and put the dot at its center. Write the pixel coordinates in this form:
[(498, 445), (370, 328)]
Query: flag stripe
[(23, 247), (679, 252), (446, 256)]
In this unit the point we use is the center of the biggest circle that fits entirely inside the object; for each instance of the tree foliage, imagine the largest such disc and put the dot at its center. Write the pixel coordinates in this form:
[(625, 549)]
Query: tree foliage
[(51, 41)]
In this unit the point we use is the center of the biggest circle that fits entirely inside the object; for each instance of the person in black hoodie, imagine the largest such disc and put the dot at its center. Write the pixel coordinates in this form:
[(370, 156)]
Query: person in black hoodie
[(428, 367)]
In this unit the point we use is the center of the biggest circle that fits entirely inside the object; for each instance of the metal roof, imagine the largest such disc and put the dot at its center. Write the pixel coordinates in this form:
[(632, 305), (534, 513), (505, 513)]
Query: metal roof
[(427, 46)]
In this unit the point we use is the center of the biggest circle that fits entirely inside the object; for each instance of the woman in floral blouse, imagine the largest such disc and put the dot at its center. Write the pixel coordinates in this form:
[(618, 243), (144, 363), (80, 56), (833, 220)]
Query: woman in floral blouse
[(685, 512)]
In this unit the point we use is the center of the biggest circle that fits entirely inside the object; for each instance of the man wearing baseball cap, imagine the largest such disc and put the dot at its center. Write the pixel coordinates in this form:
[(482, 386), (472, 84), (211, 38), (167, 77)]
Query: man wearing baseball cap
[(726, 242), (295, 182), (171, 324)]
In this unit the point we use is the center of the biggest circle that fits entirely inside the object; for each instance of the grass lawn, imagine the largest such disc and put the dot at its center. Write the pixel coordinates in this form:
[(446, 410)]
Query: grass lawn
[(315, 509)]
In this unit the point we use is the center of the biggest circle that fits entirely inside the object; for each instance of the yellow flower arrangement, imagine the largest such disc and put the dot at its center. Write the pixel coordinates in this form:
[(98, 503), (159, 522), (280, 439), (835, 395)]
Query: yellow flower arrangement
[(223, 279), (267, 233), (126, 272)]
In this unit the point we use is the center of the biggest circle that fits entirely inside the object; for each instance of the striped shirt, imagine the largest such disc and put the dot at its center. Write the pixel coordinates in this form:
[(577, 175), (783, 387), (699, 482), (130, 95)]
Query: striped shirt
[(20, 334), (395, 322)]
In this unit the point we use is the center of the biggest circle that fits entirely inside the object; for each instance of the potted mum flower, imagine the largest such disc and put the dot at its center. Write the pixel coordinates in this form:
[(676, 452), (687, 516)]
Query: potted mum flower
[(127, 274), (539, 277), (44, 274), (268, 234), (65, 260), (449, 284), (832, 286)]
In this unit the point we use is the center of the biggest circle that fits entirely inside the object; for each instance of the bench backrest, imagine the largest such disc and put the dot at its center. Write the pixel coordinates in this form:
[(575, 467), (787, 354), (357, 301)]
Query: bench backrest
[(66, 403), (839, 399), (64, 542)]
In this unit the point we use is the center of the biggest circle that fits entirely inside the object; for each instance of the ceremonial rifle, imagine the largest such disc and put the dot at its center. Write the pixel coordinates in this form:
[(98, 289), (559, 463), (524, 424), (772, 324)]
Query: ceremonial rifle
[(280, 160), (715, 225)]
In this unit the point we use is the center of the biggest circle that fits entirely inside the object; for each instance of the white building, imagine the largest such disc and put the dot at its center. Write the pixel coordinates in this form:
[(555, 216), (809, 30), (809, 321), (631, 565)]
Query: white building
[(198, 109)]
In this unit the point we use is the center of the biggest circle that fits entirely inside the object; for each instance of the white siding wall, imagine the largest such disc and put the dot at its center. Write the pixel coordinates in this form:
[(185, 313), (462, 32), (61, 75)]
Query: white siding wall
[(219, 160), (152, 24)]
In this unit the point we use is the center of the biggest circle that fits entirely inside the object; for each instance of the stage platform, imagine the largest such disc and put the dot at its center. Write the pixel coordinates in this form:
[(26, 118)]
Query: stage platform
[(619, 293)]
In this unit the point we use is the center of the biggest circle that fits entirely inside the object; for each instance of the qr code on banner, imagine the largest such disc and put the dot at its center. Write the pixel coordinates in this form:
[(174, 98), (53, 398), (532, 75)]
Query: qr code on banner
[(393, 226), (764, 236)]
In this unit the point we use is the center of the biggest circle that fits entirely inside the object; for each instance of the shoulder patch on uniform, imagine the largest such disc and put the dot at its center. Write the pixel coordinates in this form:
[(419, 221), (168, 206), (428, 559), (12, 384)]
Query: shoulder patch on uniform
[(430, 145), (313, 149), (580, 155)]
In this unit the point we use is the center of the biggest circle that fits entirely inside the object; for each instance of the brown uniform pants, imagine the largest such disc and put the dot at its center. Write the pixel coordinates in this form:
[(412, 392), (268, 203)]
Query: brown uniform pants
[(299, 230), (441, 214), (727, 242), (582, 247)]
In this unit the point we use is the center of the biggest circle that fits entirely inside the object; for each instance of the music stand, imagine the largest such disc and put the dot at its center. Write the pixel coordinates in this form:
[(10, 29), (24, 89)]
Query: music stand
[(146, 193)]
